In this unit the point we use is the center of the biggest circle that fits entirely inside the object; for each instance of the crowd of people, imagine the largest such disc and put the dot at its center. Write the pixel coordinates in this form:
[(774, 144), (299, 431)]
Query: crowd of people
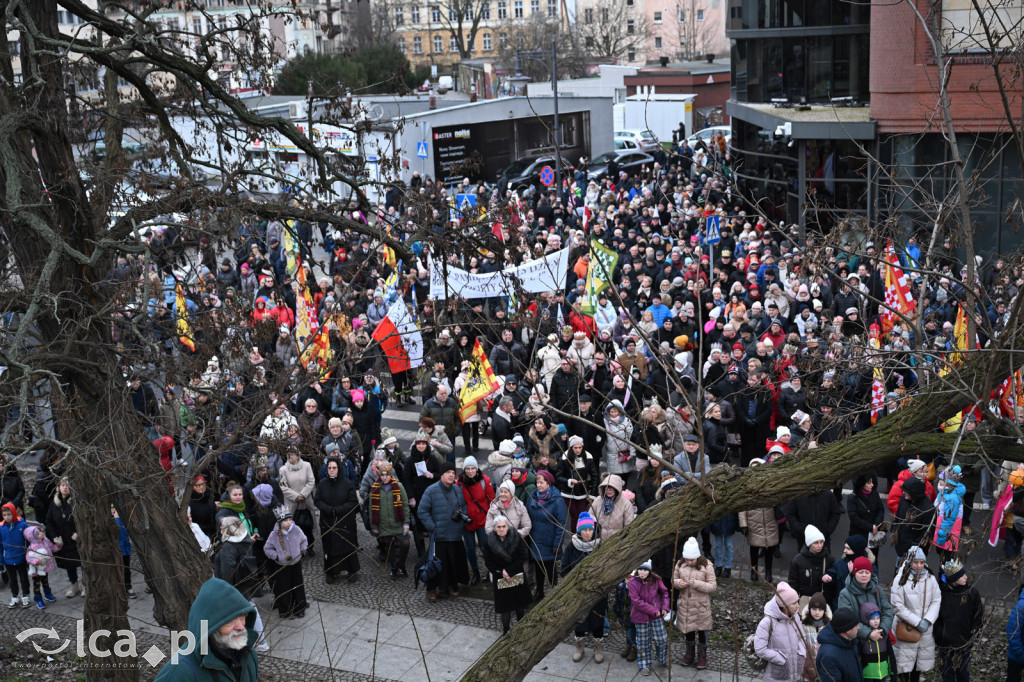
[(682, 365)]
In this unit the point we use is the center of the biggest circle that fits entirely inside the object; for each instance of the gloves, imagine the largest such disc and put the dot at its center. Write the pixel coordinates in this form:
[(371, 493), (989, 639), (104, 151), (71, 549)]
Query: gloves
[(405, 529), (924, 626)]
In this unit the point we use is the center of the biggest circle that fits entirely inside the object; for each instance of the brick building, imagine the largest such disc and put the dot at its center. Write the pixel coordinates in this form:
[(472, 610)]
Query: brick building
[(708, 80)]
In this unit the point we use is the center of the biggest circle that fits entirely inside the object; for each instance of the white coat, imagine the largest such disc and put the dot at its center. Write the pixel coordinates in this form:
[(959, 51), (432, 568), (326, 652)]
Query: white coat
[(911, 602)]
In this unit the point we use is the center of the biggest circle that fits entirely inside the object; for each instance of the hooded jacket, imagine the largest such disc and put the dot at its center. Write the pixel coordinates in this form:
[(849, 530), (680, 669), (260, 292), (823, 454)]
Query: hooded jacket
[(12, 538), (622, 513), (855, 595), (217, 604), (779, 639), (838, 658), (1015, 632), (618, 441), (892, 500)]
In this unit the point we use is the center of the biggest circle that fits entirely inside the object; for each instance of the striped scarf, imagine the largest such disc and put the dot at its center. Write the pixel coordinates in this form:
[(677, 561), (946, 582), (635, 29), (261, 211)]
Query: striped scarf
[(396, 500)]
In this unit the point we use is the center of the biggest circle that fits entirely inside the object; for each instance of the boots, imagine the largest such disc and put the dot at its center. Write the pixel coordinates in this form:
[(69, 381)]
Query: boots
[(475, 580), (702, 656), (39, 601), (72, 590), (688, 658), (631, 656), (577, 655), (48, 595), (598, 651)]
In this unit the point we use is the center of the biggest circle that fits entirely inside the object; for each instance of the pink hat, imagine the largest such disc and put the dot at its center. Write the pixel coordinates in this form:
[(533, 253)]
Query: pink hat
[(786, 594), (358, 394), (357, 323)]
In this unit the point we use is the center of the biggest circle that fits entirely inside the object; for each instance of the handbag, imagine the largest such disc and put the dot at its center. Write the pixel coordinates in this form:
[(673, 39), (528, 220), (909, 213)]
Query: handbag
[(753, 660), (514, 581), (428, 567), (904, 632), (303, 518)]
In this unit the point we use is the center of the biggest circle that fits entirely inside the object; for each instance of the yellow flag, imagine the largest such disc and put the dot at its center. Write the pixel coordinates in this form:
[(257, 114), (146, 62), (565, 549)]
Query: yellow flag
[(480, 383)]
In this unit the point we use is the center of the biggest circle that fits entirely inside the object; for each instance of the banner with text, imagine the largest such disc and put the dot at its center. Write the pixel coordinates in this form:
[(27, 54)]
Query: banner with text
[(546, 274)]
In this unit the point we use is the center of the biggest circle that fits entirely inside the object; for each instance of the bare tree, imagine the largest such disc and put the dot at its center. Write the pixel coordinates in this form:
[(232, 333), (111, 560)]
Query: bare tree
[(611, 30), (692, 33)]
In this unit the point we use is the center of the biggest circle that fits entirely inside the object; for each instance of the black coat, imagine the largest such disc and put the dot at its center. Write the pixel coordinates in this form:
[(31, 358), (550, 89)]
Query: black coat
[(807, 569), (960, 615), (585, 426), (339, 508), (864, 511), (204, 513), (716, 444), (416, 485), (565, 390), (12, 488), (820, 510), (587, 477), (60, 523), (913, 523), (501, 429)]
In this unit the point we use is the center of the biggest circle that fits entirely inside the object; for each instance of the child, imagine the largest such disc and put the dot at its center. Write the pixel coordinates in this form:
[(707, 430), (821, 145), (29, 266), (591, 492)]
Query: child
[(874, 655), (124, 543), (41, 563), (623, 608), (694, 578), (723, 530), (815, 616), (650, 604), (285, 546), (12, 553)]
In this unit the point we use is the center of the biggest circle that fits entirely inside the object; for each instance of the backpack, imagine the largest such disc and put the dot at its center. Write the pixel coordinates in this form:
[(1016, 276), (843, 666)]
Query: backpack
[(753, 660), (428, 567)]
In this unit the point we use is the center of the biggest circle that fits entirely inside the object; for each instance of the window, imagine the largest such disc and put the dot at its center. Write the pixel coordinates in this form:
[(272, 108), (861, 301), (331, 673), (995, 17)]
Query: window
[(438, 45), (435, 14), (197, 26), (452, 16), (399, 16), (415, 12), (700, 15), (401, 45), (552, 8), (487, 42), (534, 7), (604, 15), (590, 42), (631, 27), (657, 43), (469, 13), (629, 3), (657, 17), (502, 9), (453, 45), (485, 11), (502, 41), (631, 56), (962, 29), (588, 16), (417, 45), (517, 9), (682, 17)]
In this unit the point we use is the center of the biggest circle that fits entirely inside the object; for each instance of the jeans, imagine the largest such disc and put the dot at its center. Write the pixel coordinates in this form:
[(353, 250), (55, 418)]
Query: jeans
[(472, 537), (723, 551)]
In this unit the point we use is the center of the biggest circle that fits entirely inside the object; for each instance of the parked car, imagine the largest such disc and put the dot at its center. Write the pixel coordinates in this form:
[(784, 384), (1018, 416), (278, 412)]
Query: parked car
[(524, 172), (629, 160), (708, 133), (626, 143), (644, 138)]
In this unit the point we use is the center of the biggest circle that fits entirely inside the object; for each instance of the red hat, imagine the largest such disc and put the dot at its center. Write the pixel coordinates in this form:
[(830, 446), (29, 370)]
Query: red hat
[(705, 257), (737, 346), (862, 563)]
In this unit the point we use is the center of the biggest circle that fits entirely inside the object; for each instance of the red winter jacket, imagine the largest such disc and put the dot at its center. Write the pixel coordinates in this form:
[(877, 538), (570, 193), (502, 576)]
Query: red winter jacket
[(479, 494), (896, 491)]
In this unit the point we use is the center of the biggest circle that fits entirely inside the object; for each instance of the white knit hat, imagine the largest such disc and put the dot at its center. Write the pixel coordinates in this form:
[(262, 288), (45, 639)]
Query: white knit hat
[(691, 550), (812, 535), (915, 465), (782, 431), (509, 485)]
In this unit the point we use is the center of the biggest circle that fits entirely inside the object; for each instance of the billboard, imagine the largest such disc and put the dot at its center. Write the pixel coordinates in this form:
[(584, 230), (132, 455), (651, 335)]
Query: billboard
[(456, 155)]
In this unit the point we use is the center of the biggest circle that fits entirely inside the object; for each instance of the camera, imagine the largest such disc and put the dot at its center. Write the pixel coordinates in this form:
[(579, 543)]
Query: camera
[(461, 517)]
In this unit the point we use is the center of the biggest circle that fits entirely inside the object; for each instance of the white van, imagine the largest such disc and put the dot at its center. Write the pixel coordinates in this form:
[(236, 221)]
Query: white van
[(444, 84)]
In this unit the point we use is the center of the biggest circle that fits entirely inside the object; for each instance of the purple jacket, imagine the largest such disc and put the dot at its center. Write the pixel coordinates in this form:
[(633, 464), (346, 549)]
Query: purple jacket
[(286, 549), (649, 597)]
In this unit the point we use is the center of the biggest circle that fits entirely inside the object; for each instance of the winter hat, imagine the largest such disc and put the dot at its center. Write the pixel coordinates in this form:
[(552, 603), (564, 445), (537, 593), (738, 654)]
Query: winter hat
[(547, 476), (385, 467), (446, 467), (509, 485), (574, 441), (817, 601), (585, 521), (264, 494), (812, 535), (786, 594), (799, 417), (358, 394), (857, 543), (915, 465), (469, 462), (757, 461), (952, 571), (283, 512), (507, 447), (915, 553), (390, 440), (561, 429), (331, 447), (914, 486), (691, 550), (517, 439), (782, 431), (844, 619), (777, 448), (861, 563), (644, 566)]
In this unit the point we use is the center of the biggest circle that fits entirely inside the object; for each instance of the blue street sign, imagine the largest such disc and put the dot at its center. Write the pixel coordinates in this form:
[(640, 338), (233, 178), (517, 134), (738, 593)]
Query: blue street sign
[(714, 235), (421, 150)]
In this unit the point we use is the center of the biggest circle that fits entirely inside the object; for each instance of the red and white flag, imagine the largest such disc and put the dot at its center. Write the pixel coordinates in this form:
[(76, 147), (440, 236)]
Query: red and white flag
[(586, 219), (897, 292), (400, 338), (877, 395)]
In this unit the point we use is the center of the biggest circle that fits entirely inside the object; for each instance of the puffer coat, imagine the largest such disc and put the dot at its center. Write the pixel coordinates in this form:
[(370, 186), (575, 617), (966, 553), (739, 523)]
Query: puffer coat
[(619, 435), (622, 512), (915, 599), (693, 606), (780, 641), (762, 527), (516, 513)]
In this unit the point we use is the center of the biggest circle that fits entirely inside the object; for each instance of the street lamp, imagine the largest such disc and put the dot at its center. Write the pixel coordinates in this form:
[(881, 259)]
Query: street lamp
[(542, 56)]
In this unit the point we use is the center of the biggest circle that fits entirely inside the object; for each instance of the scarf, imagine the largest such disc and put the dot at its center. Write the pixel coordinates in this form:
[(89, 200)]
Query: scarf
[(504, 549), (608, 505), (583, 546), (542, 497), (396, 501), (239, 509)]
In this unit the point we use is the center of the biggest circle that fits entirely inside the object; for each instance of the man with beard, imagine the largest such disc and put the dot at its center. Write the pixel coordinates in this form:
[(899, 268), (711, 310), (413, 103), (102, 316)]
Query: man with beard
[(223, 627)]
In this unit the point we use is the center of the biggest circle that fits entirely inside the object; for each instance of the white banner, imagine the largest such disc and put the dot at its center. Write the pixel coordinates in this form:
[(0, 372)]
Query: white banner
[(407, 331), (546, 274)]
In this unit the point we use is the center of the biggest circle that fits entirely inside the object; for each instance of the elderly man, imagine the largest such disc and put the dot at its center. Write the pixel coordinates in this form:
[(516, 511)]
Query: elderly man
[(227, 620), (444, 410)]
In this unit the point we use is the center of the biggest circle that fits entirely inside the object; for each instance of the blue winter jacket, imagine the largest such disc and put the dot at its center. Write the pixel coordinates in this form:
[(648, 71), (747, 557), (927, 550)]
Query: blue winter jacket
[(838, 659), (548, 518), (435, 511), (950, 504), (12, 542), (124, 543), (1015, 632)]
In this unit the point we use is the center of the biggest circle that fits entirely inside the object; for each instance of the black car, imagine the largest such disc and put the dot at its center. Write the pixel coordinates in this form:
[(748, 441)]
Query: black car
[(525, 172), (629, 160)]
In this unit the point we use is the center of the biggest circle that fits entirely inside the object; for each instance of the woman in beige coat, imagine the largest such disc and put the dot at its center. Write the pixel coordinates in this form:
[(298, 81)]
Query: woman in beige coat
[(610, 508), (762, 532), (694, 581), (508, 505), (297, 484)]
